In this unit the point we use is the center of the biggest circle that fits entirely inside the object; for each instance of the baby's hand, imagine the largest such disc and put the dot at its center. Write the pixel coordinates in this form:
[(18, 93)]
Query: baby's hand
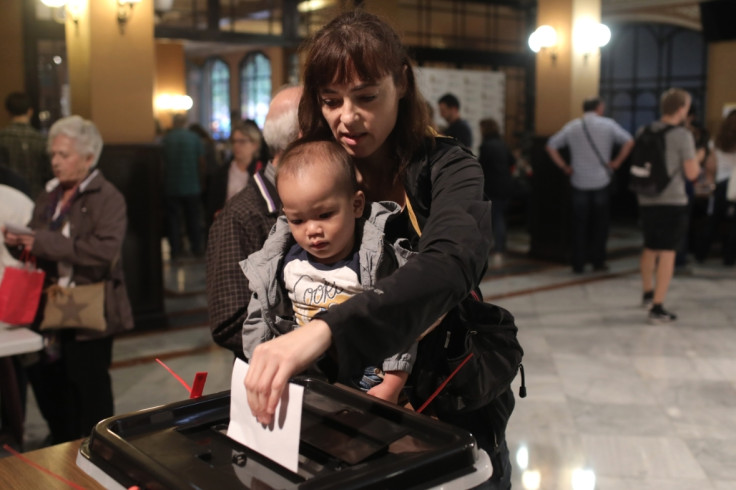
[(390, 388), (384, 392)]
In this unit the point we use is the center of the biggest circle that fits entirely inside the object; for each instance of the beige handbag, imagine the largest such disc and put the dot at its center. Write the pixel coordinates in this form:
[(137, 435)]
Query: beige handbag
[(75, 307)]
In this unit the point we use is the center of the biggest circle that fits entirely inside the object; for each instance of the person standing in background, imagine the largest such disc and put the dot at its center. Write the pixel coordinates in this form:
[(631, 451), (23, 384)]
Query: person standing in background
[(183, 159), (26, 147), (244, 224), (79, 224), (458, 127), (496, 160), (16, 208), (721, 162), (591, 140), (664, 217), (230, 179), (701, 136)]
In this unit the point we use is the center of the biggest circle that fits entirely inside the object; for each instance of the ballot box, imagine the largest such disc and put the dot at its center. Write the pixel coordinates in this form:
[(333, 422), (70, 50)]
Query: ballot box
[(348, 440)]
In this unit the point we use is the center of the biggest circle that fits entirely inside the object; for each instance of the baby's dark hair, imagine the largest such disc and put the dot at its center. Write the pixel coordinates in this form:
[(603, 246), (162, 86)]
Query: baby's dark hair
[(300, 156)]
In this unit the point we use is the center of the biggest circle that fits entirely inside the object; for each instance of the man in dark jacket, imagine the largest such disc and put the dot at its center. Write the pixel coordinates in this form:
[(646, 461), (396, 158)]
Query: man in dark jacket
[(243, 225), (25, 146), (457, 128)]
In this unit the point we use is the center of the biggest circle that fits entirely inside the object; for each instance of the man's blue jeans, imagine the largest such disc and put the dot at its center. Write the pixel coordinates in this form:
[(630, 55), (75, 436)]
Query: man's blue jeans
[(590, 222)]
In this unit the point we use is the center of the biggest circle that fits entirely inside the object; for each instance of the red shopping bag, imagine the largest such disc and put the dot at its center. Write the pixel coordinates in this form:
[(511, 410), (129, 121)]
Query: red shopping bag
[(20, 292)]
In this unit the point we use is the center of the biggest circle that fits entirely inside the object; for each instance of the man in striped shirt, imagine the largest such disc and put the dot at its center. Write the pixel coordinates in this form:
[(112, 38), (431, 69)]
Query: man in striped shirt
[(591, 140)]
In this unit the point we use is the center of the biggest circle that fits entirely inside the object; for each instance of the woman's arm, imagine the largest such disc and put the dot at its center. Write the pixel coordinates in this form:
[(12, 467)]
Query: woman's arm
[(453, 253), (452, 256), (100, 223)]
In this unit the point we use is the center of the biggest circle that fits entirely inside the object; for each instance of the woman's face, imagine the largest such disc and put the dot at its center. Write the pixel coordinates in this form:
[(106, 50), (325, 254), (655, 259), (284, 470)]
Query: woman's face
[(68, 165), (361, 114), (243, 147)]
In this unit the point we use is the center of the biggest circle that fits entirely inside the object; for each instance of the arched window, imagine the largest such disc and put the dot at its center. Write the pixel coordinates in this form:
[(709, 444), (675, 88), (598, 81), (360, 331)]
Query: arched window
[(644, 60), (195, 89), (218, 110), (255, 87)]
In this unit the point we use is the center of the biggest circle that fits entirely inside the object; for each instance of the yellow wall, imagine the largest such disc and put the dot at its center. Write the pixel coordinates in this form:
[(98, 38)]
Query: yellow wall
[(565, 82), (720, 84), (554, 76), (111, 70), (170, 74), (11, 54)]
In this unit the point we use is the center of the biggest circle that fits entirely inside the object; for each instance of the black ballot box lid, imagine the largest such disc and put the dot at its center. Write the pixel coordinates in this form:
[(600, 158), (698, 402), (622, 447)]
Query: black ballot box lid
[(348, 440)]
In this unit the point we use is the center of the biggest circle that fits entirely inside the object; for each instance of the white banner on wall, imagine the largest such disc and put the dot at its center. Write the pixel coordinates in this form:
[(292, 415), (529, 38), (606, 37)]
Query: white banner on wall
[(482, 94)]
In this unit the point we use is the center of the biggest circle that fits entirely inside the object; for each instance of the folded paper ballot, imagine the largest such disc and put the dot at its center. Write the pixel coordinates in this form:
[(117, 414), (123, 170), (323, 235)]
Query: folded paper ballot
[(279, 441)]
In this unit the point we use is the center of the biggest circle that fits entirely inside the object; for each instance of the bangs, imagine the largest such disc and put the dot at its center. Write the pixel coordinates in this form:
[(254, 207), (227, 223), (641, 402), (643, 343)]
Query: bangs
[(345, 54)]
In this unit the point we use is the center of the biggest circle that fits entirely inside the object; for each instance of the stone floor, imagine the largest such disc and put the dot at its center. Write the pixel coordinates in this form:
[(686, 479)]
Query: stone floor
[(614, 403)]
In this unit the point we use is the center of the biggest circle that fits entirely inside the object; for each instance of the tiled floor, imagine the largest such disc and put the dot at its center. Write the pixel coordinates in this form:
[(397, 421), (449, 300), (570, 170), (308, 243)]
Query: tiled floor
[(614, 403)]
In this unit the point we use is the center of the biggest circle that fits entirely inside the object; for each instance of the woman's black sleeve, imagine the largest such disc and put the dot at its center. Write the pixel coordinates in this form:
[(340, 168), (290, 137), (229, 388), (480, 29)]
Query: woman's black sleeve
[(453, 252)]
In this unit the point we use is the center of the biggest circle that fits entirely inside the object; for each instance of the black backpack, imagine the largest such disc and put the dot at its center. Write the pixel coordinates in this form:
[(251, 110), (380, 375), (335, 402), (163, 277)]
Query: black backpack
[(648, 175)]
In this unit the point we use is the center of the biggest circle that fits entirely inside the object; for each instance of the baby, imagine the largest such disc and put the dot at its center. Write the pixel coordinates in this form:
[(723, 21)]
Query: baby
[(320, 253)]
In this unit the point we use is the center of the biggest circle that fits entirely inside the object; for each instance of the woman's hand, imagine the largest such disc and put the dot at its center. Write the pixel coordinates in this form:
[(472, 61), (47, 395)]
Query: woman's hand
[(277, 360), (14, 240)]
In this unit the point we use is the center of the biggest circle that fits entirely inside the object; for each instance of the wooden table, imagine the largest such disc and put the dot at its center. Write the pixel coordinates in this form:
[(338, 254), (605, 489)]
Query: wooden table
[(59, 459), (14, 340)]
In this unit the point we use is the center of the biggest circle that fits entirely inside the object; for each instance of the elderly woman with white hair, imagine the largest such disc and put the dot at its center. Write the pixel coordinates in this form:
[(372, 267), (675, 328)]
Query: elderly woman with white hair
[(78, 225)]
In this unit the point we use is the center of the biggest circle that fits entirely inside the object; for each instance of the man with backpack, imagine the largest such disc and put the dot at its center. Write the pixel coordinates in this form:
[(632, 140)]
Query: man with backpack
[(591, 140), (663, 157)]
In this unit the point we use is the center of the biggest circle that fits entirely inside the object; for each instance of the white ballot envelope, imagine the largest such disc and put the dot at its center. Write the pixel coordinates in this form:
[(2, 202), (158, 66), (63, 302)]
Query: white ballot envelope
[(279, 441)]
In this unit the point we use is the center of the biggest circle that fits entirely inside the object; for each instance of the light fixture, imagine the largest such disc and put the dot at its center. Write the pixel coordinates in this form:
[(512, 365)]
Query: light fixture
[(125, 10), (589, 36), (173, 103), (531, 479), (545, 37), (312, 5), (583, 479), (65, 9)]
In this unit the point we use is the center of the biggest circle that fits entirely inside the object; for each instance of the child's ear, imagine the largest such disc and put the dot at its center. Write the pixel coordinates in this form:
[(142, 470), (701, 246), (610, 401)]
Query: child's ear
[(358, 204)]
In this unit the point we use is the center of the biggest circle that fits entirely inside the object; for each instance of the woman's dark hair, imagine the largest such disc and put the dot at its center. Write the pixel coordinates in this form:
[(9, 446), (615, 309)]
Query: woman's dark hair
[(726, 137), (489, 128), (359, 43)]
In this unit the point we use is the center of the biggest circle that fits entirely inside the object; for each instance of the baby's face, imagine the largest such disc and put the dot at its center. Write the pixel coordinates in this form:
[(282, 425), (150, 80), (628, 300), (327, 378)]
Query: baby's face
[(321, 217)]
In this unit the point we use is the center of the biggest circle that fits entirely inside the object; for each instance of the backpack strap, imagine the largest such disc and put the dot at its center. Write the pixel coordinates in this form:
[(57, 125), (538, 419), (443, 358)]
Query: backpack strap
[(601, 160), (412, 216)]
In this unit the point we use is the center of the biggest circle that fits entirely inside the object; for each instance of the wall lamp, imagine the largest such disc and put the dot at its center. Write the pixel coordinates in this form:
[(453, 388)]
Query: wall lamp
[(125, 10), (173, 103), (65, 9), (589, 36), (544, 38)]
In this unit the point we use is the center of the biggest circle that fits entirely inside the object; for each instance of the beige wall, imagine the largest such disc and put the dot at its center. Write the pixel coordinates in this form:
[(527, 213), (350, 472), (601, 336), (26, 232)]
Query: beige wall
[(720, 85), (170, 75), (563, 83), (111, 70), (11, 53)]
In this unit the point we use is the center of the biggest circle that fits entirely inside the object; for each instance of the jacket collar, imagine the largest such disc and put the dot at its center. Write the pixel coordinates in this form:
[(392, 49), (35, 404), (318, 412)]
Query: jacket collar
[(265, 182), (89, 183)]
